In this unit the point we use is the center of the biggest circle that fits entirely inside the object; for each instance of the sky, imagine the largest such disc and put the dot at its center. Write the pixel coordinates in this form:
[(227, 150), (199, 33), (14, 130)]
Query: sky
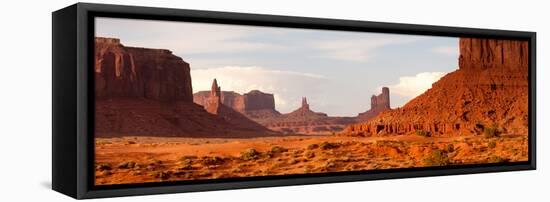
[(338, 71)]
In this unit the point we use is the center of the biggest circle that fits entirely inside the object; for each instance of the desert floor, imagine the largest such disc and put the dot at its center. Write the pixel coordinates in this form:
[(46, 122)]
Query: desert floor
[(153, 159)]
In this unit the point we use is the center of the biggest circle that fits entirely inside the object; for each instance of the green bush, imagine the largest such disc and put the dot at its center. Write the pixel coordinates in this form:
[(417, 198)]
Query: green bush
[(437, 158), (278, 149), (186, 164), (492, 144), (104, 166), (162, 175), (450, 147), (497, 159), (250, 154), (312, 146), (490, 132), (309, 154), (212, 160), (329, 145), (126, 165), (155, 162)]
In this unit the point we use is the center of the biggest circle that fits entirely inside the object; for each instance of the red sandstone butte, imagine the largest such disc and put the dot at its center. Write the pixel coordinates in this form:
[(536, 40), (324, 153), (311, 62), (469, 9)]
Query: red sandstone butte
[(254, 104), (490, 89), (378, 103), (306, 121), (214, 105), (141, 91), (140, 72), (305, 112)]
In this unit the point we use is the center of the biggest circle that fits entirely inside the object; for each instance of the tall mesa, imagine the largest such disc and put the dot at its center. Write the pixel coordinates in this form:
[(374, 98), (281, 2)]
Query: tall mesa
[(490, 89), (142, 91)]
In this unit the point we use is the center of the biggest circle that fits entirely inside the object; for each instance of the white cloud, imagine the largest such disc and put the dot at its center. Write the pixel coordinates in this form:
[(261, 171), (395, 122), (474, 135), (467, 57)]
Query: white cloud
[(183, 38), (451, 50), (287, 86), (412, 86), (239, 57), (363, 49)]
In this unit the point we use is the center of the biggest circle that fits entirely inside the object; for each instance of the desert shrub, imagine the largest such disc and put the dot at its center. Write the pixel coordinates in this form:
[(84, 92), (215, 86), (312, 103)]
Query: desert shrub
[(104, 166), (163, 175), (423, 133), (250, 154), (237, 170), (155, 162), (329, 164), (106, 173), (312, 146), (329, 145), (450, 147), (437, 158), (186, 163), (187, 159), (127, 164), (492, 144), (309, 154), (308, 169), (497, 159), (212, 160), (490, 132), (293, 161), (278, 149)]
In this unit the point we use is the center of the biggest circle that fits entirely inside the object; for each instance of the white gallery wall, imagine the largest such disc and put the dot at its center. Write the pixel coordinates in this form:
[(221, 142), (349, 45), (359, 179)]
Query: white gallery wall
[(25, 100)]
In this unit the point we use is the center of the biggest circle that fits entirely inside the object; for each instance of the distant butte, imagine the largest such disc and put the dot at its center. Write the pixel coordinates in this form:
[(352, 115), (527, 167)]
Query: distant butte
[(305, 112), (260, 107), (378, 103), (306, 121), (254, 104), (214, 105)]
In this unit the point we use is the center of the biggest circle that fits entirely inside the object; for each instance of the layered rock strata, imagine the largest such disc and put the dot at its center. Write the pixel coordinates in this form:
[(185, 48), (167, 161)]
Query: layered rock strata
[(490, 89), (132, 72), (255, 104), (141, 91), (378, 103), (213, 104)]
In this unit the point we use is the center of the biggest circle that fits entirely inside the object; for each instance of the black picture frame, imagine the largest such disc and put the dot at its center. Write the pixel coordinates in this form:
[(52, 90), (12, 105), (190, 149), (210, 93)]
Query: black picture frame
[(73, 99)]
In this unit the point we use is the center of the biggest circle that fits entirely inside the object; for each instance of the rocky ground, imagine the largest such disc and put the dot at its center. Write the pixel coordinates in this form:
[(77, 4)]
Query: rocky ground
[(153, 159)]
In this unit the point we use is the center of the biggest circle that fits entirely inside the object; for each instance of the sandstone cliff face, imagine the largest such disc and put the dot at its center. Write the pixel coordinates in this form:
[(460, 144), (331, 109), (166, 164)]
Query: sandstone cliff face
[(140, 73), (142, 91), (213, 104), (493, 53), (490, 88), (257, 100), (228, 98), (378, 103), (254, 105)]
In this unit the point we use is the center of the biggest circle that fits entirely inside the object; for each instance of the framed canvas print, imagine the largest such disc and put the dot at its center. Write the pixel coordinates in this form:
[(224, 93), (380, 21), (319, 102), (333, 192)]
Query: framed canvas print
[(155, 100)]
